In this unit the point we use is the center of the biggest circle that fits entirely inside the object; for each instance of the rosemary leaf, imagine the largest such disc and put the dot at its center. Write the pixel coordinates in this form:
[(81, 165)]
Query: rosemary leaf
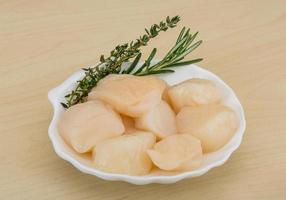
[(180, 35), (161, 71), (179, 64), (190, 49), (150, 58), (133, 64)]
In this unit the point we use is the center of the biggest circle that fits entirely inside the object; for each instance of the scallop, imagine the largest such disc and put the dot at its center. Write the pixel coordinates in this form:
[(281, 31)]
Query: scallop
[(128, 94), (161, 120), (194, 92), (179, 152), (83, 125), (129, 124), (214, 125), (125, 154), (165, 95)]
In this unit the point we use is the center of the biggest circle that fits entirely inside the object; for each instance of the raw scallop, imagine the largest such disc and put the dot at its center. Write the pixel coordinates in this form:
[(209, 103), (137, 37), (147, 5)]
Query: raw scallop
[(129, 124), (84, 125), (177, 152), (214, 125), (194, 92), (165, 95), (128, 94), (125, 154), (161, 120)]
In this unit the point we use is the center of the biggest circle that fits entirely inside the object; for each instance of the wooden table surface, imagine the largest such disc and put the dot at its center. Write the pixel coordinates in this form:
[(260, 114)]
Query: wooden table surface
[(43, 42)]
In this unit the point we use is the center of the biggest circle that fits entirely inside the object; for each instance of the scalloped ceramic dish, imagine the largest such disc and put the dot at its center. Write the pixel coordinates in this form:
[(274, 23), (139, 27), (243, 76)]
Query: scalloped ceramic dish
[(84, 164)]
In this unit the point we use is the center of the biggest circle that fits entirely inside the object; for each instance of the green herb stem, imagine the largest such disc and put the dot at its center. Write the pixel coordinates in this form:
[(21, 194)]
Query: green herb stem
[(123, 53)]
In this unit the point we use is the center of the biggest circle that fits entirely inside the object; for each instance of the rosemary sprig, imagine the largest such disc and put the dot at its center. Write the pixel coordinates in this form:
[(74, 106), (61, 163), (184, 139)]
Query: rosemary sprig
[(112, 64), (122, 53), (183, 46)]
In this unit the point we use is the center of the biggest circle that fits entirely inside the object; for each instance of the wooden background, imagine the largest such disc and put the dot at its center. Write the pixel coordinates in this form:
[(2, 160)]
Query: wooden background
[(43, 42)]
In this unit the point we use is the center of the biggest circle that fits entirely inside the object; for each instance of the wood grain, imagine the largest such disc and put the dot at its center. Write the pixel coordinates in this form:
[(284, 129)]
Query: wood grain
[(43, 42)]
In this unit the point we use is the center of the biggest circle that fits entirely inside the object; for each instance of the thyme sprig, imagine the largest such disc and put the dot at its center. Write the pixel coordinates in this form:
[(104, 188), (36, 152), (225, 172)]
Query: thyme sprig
[(123, 53)]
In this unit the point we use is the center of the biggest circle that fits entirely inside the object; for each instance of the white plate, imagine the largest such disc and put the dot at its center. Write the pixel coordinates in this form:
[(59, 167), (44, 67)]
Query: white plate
[(84, 164)]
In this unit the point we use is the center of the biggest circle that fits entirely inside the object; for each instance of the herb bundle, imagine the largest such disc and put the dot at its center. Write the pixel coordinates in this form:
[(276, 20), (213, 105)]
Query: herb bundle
[(123, 53)]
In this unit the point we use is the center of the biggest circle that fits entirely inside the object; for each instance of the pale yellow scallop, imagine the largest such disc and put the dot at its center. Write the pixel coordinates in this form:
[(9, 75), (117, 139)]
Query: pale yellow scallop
[(181, 152), (194, 92), (129, 124), (165, 95), (125, 154), (83, 125), (214, 125), (128, 94), (161, 120)]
